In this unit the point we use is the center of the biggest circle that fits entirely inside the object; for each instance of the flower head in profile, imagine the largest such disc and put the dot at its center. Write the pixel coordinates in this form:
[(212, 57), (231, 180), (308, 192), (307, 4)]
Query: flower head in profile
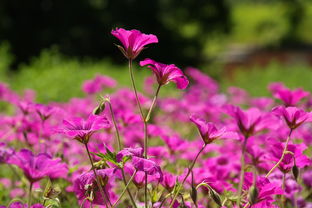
[(36, 167), (207, 130), (81, 129), (289, 97), (133, 41), (250, 121), (293, 116), (147, 166), (44, 111), (166, 73)]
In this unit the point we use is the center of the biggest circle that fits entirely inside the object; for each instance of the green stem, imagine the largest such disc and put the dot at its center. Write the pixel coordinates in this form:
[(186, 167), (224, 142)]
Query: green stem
[(282, 157), (119, 148), (242, 172), (152, 105), (164, 200), (188, 173), (145, 120), (115, 125), (97, 178), (145, 124), (29, 194), (135, 89), (283, 200), (126, 189)]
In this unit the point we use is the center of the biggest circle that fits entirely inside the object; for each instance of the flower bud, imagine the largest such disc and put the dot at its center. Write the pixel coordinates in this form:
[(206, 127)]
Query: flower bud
[(194, 194), (193, 191), (51, 191), (99, 109), (253, 195), (295, 171), (215, 196)]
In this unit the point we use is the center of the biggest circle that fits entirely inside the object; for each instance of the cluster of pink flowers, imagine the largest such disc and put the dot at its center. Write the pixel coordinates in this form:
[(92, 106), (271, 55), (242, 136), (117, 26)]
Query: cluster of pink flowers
[(201, 148)]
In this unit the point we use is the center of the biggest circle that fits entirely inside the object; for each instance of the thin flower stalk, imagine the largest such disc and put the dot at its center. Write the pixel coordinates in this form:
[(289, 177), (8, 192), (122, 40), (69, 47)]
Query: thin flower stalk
[(188, 173), (104, 196), (122, 170), (242, 172), (145, 120), (282, 157), (115, 125), (29, 193), (283, 200), (125, 189)]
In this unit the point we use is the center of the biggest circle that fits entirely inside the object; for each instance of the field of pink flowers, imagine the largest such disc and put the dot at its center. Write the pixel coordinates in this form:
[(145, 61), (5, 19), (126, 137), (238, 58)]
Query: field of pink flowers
[(200, 148)]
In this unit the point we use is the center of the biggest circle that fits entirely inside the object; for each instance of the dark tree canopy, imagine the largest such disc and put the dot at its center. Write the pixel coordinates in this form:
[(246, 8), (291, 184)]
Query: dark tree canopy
[(82, 27)]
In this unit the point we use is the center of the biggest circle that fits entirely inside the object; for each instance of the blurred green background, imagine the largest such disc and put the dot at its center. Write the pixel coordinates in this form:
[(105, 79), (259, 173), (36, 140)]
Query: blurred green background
[(51, 46)]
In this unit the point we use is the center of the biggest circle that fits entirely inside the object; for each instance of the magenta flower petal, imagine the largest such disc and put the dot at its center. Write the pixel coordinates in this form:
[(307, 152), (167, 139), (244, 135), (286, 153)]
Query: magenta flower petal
[(208, 131), (82, 130), (293, 116), (138, 152), (85, 185), (166, 73), (148, 166), (36, 167), (20, 205), (133, 41)]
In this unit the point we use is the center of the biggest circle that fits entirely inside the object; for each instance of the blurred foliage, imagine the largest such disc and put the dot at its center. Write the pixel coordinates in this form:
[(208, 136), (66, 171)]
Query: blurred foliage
[(253, 22), (82, 27), (57, 78), (255, 80)]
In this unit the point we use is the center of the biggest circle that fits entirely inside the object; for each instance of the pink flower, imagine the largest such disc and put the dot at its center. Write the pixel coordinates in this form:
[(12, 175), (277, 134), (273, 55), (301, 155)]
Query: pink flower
[(20, 205), (288, 161), (129, 152), (97, 84), (289, 97), (5, 153), (148, 166), (166, 73), (293, 116), (266, 190), (133, 41), (82, 130), (169, 181), (85, 187), (44, 111), (36, 167), (207, 130), (250, 121)]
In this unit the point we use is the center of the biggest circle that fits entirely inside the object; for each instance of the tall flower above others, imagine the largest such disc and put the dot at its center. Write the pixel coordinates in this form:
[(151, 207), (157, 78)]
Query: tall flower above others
[(36, 167), (133, 41), (207, 130), (81, 129), (166, 73)]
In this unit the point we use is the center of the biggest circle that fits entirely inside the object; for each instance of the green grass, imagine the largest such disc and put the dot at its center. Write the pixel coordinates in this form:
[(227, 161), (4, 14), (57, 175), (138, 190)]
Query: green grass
[(56, 78), (255, 80)]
